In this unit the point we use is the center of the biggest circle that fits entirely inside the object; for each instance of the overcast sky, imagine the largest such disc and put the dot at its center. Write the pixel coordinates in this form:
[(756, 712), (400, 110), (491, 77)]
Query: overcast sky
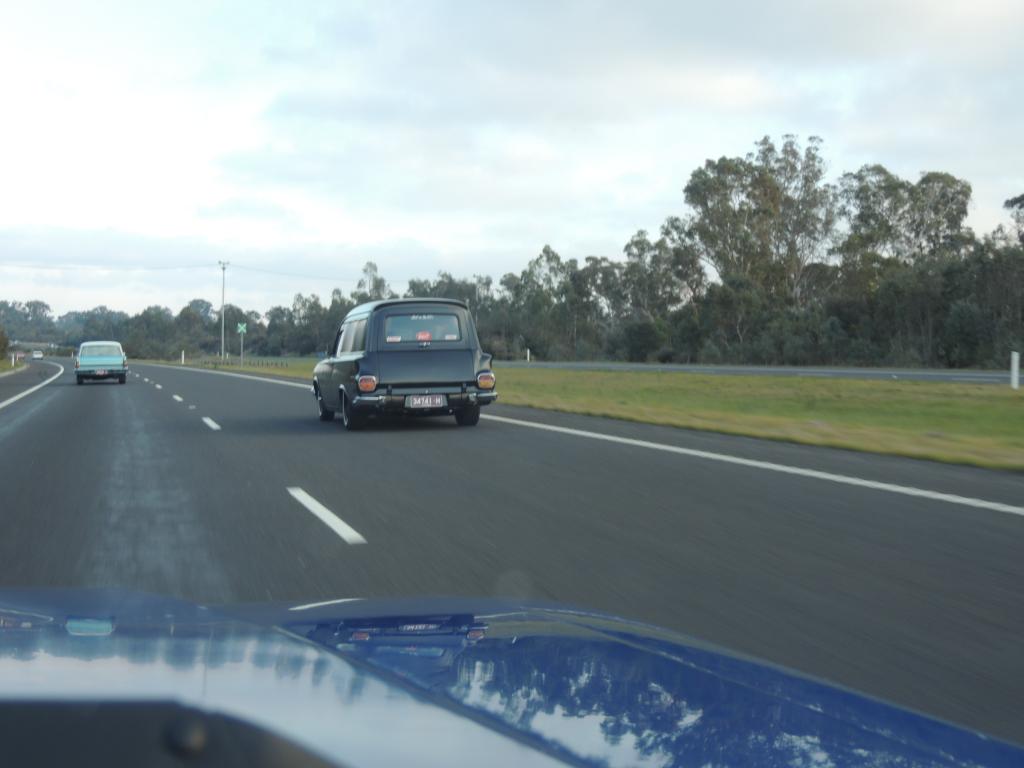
[(154, 139)]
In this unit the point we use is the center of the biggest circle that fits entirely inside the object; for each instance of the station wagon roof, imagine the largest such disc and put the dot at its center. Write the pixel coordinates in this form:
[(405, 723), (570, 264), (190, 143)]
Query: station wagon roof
[(373, 306), (90, 343)]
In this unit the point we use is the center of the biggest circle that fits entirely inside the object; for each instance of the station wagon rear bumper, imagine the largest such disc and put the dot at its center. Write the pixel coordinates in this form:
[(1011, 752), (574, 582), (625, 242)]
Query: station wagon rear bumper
[(395, 402), (101, 373)]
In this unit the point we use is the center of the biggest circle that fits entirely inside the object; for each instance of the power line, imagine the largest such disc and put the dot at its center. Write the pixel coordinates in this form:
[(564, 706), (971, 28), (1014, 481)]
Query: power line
[(279, 273), (102, 267), (175, 267), (326, 278)]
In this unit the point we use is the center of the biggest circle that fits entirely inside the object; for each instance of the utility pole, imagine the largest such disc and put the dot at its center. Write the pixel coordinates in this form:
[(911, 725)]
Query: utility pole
[(223, 277)]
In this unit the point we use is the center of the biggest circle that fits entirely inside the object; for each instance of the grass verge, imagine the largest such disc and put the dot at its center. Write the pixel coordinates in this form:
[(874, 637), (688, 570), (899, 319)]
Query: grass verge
[(6, 367), (978, 424)]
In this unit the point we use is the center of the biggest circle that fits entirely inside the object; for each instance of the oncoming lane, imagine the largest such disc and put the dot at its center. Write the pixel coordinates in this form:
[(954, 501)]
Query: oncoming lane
[(19, 384)]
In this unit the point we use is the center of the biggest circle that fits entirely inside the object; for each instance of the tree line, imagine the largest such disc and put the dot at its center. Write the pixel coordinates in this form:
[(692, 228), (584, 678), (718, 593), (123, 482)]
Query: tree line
[(768, 263)]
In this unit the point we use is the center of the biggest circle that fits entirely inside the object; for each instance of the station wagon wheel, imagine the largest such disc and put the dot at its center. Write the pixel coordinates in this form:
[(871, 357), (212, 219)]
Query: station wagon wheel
[(351, 421), (325, 414)]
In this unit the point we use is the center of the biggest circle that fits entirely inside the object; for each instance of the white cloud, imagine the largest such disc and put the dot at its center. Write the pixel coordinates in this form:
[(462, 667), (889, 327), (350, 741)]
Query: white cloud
[(455, 135)]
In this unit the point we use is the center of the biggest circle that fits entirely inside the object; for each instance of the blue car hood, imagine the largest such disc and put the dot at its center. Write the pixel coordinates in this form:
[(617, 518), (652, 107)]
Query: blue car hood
[(439, 682)]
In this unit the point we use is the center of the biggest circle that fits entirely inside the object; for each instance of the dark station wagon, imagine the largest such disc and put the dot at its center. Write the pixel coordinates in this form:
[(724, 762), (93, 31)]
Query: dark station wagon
[(416, 357)]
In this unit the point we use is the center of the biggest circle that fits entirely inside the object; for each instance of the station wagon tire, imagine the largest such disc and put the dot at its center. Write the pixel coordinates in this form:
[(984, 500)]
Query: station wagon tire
[(325, 414), (352, 421), (468, 416), (122, 379), (78, 380)]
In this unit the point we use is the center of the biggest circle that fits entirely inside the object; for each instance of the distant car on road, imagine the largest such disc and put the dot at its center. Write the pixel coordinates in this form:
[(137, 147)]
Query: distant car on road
[(37, 355), (101, 360), (416, 357)]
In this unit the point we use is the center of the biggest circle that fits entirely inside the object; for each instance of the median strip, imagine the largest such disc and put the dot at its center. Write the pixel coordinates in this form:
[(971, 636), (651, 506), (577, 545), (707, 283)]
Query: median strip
[(328, 518), (211, 423), (29, 391)]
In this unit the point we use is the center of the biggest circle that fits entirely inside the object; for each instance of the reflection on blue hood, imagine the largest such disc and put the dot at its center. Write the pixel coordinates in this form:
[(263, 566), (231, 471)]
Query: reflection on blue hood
[(435, 682)]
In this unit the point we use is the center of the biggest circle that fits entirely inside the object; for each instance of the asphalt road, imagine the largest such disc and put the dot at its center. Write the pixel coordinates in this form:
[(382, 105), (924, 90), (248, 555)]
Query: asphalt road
[(907, 374), (891, 589)]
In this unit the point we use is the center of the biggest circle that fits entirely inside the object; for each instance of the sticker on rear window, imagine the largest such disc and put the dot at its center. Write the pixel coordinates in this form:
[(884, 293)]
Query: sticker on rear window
[(424, 329)]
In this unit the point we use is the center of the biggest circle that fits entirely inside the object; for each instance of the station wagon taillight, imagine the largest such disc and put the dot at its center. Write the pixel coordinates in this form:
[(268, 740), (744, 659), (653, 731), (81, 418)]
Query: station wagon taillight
[(367, 383), (485, 380)]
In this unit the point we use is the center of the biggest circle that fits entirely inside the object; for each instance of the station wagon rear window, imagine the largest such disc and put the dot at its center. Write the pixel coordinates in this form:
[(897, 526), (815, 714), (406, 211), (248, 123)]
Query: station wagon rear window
[(101, 350), (421, 328)]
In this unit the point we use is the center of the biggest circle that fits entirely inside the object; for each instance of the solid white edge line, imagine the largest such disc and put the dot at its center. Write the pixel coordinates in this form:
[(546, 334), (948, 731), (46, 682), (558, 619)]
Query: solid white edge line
[(307, 606), (328, 518), (29, 391), (177, 398), (211, 423), (950, 498)]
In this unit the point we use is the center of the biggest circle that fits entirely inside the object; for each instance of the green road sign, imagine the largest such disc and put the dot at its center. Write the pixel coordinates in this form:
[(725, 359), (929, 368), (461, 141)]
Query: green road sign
[(241, 327)]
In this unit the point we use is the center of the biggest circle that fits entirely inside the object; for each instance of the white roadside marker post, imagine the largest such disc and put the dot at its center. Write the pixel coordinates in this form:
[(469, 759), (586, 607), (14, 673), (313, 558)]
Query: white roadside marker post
[(1015, 370)]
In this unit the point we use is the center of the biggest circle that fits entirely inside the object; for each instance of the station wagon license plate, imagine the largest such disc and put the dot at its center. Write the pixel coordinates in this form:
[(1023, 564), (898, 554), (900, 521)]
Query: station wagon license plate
[(101, 373), (425, 401)]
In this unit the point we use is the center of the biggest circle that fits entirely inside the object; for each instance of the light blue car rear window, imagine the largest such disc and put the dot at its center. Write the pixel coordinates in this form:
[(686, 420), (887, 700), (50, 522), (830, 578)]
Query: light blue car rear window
[(101, 350)]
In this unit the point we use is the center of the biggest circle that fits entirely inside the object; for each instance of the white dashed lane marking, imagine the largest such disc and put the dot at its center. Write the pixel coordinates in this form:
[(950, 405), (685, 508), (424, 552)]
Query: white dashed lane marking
[(328, 518), (211, 423)]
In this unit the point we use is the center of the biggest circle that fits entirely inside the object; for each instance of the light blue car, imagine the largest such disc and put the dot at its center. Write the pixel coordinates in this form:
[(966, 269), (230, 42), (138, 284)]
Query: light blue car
[(101, 360)]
